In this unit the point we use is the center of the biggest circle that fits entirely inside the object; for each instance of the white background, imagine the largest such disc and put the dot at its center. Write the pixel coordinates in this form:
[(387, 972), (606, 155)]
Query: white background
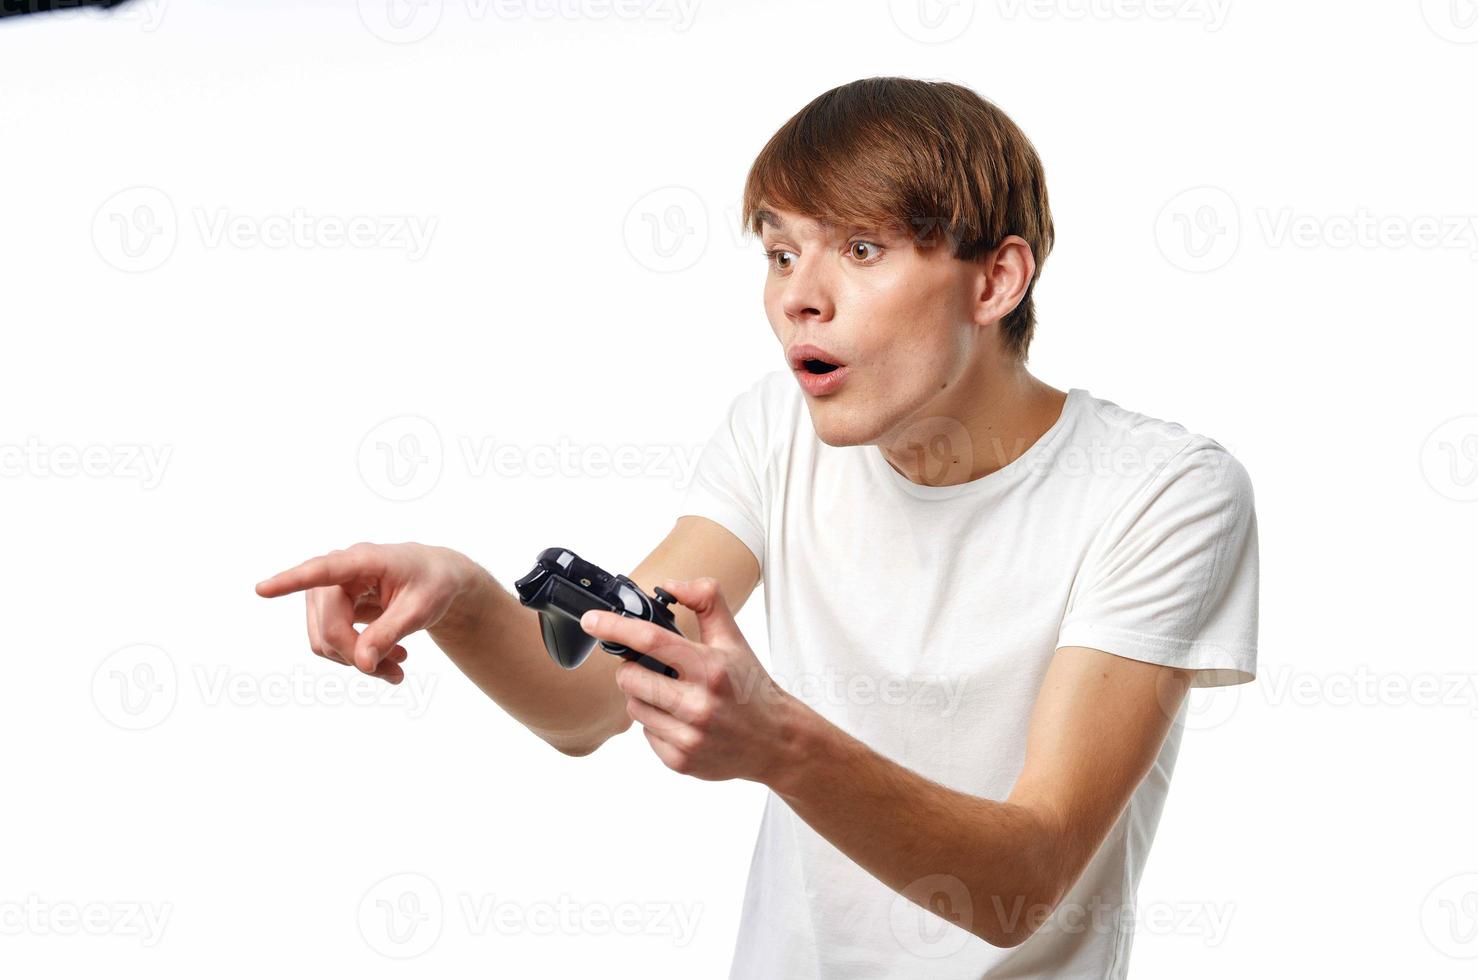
[(172, 746)]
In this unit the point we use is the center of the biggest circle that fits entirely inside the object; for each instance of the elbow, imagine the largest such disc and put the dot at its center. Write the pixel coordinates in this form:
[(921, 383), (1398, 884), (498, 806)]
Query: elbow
[(1011, 938), (583, 743), (1009, 924), (1009, 917), (1049, 862), (574, 749)]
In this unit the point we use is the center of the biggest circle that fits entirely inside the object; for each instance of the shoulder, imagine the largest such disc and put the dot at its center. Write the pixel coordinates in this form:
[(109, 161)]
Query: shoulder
[(1155, 453)]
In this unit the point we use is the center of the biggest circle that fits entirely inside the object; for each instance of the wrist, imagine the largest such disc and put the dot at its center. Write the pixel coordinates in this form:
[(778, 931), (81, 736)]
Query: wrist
[(804, 747), (474, 594)]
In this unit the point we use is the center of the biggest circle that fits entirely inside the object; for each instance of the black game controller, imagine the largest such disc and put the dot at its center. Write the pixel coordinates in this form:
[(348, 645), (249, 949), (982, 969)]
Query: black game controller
[(563, 587)]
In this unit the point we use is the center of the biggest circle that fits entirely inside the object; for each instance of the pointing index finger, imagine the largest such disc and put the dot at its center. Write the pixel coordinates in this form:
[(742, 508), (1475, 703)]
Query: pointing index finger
[(331, 569)]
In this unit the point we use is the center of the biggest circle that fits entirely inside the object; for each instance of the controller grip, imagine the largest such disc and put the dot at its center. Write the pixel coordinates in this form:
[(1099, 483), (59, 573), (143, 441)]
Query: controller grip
[(566, 642), (651, 663), (569, 645)]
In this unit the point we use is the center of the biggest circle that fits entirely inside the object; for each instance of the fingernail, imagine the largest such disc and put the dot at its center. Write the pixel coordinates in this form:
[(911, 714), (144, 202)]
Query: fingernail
[(587, 620)]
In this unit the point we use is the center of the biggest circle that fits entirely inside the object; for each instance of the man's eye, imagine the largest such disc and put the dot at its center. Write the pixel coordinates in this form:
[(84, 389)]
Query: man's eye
[(856, 246), (773, 255)]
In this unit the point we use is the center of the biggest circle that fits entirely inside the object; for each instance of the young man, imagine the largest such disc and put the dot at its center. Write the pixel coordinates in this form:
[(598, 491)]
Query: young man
[(986, 597)]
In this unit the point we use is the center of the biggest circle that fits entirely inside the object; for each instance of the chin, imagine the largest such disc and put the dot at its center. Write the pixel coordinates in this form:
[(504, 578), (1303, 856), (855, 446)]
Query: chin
[(840, 429)]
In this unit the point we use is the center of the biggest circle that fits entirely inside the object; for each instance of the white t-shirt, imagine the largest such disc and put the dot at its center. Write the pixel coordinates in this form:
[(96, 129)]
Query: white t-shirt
[(921, 620)]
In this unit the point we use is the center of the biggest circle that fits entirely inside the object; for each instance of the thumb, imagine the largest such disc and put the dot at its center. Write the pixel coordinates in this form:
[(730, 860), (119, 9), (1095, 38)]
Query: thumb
[(716, 624), (380, 636)]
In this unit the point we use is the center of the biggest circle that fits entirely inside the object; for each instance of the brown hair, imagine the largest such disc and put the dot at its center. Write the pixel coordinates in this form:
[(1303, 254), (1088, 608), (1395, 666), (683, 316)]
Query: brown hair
[(933, 156)]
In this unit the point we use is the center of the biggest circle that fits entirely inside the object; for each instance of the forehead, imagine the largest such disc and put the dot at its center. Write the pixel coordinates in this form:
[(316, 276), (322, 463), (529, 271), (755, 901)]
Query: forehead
[(778, 219)]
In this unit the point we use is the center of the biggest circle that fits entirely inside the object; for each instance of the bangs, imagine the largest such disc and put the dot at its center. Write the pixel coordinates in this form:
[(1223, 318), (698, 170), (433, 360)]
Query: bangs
[(837, 188), (884, 156)]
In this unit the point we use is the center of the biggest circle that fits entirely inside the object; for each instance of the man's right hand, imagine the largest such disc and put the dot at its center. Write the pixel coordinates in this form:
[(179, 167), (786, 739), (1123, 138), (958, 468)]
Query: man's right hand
[(396, 588), (493, 638)]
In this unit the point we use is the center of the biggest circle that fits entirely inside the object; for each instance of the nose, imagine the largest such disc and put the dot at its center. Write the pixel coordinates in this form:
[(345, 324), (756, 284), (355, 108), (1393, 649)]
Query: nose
[(807, 294)]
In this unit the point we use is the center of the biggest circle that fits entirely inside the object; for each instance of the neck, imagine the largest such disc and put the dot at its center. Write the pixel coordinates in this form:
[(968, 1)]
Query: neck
[(980, 423)]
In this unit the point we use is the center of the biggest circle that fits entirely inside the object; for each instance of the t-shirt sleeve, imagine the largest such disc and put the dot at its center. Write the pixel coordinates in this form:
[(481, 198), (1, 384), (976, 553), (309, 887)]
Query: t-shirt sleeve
[(728, 485), (1173, 577)]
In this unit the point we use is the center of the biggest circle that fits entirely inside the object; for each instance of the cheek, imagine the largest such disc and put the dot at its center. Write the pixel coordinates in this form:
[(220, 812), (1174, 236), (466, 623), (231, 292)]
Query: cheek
[(916, 367), (775, 313), (919, 321)]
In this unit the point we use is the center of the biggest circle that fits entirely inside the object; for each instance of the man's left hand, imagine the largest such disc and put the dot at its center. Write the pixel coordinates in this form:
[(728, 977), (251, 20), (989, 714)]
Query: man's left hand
[(723, 717)]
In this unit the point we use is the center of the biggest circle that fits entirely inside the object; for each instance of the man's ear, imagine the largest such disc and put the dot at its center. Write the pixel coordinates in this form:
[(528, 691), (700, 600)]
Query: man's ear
[(1005, 274)]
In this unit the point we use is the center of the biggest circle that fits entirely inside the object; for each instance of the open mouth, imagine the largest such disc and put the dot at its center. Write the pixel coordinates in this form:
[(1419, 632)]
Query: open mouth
[(816, 366)]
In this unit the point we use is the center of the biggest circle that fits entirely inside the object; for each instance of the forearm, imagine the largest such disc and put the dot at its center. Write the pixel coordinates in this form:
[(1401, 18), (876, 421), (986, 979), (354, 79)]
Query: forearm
[(1005, 855), (495, 640)]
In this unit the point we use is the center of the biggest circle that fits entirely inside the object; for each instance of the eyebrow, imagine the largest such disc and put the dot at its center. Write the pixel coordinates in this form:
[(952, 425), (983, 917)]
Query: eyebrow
[(767, 217)]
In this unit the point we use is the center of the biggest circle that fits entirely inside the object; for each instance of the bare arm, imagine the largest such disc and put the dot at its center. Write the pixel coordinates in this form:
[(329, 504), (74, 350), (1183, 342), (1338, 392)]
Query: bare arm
[(495, 640), (486, 631), (1096, 728)]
